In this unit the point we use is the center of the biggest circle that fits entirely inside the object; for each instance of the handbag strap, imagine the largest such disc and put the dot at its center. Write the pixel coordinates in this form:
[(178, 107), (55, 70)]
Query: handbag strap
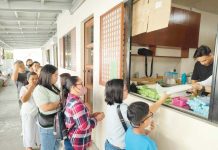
[(121, 118)]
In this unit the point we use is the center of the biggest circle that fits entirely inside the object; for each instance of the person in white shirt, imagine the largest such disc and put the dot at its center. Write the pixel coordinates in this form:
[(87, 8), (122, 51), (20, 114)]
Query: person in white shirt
[(47, 98), (203, 85), (29, 113)]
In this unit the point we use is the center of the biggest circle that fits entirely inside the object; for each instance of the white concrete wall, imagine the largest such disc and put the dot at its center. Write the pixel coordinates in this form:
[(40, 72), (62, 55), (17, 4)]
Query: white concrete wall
[(175, 130), (160, 64), (178, 131)]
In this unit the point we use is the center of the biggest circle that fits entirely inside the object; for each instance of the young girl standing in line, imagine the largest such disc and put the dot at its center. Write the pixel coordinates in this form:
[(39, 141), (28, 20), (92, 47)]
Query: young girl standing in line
[(78, 119), (29, 113)]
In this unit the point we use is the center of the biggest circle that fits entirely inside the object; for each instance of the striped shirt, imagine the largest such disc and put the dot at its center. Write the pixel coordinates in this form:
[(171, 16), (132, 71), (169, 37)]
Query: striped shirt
[(79, 121)]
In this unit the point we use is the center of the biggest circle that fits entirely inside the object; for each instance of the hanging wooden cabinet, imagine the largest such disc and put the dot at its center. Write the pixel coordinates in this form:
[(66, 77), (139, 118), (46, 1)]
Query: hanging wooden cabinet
[(183, 32)]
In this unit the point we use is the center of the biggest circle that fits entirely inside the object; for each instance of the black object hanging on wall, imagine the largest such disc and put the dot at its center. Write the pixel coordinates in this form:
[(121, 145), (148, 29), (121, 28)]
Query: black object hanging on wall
[(146, 52)]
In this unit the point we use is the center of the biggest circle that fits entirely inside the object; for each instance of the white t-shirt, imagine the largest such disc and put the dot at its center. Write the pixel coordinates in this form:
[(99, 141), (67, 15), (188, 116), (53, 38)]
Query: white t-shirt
[(207, 82), (29, 107), (42, 95), (115, 132)]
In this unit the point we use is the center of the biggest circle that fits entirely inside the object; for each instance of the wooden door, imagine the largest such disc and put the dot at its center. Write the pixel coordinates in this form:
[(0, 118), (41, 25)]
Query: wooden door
[(88, 60)]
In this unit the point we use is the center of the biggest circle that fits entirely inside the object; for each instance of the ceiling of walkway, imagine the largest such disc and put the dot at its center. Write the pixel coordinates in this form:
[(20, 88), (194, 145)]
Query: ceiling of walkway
[(30, 23)]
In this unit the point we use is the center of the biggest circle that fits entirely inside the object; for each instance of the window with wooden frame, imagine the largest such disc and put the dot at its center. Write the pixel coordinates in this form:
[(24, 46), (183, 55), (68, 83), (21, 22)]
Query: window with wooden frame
[(61, 47), (68, 50), (112, 44), (55, 54), (48, 56), (73, 49)]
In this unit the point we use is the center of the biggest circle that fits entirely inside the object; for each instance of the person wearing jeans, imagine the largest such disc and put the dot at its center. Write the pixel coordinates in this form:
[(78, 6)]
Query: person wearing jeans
[(47, 99), (47, 139), (109, 146)]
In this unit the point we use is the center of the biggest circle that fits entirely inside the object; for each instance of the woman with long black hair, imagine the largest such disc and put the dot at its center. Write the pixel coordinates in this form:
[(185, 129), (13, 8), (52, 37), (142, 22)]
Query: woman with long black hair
[(47, 98)]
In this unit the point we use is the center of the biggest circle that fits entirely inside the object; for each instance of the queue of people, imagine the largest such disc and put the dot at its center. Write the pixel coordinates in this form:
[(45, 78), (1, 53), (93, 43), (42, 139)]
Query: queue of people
[(40, 99)]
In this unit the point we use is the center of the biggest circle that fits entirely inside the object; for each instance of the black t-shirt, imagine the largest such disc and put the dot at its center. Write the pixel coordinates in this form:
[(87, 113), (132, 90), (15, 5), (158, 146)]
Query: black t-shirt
[(202, 72)]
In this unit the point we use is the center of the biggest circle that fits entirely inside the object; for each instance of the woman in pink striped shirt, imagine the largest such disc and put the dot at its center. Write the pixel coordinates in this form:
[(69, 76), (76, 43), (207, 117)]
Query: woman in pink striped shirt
[(78, 119)]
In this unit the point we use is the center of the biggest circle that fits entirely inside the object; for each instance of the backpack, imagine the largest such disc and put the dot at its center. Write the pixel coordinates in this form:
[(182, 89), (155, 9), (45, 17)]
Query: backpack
[(60, 130)]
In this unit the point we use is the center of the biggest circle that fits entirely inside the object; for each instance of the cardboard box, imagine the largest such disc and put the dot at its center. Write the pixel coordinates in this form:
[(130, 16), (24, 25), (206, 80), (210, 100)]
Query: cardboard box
[(150, 15)]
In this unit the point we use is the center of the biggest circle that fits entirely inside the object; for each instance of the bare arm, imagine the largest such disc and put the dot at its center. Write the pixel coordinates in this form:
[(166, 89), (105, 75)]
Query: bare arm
[(156, 105), (198, 87), (50, 106), (28, 94), (208, 89), (194, 81)]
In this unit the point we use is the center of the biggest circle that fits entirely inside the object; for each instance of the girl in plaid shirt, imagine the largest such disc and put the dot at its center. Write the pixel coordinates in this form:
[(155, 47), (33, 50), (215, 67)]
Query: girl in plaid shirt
[(77, 116)]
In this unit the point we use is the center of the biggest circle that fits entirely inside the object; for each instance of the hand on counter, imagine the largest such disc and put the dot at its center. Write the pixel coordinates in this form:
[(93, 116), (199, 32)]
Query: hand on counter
[(197, 86)]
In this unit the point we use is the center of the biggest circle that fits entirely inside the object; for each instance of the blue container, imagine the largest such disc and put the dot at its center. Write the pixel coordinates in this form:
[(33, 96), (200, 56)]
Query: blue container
[(184, 78)]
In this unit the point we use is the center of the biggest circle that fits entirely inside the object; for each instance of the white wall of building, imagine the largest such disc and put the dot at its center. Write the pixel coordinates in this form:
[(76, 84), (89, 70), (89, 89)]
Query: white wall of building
[(175, 130)]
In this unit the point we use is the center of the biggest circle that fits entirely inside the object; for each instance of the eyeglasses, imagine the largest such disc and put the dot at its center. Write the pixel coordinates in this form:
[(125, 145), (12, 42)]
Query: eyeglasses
[(148, 116), (79, 84), (137, 125)]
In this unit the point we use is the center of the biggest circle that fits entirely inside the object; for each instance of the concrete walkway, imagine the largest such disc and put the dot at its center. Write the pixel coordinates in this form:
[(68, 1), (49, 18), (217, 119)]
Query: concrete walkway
[(10, 123)]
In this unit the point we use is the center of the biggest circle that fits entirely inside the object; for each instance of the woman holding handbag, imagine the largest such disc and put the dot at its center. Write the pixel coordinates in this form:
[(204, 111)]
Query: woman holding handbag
[(47, 99)]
